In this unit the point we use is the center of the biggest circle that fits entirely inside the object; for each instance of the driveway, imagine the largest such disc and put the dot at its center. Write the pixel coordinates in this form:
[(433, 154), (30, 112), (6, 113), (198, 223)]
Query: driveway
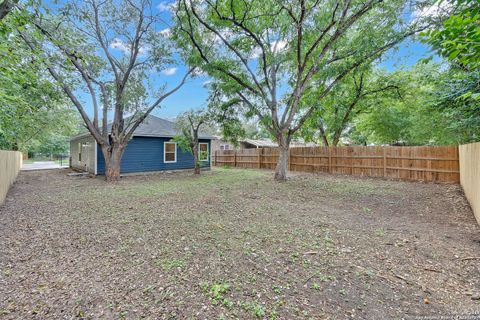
[(44, 165)]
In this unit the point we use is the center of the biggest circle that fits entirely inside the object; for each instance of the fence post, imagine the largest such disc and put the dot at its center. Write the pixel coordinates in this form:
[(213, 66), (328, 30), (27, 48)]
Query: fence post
[(235, 159), (289, 158), (329, 160), (260, 152), (215, 158), (384, 161)]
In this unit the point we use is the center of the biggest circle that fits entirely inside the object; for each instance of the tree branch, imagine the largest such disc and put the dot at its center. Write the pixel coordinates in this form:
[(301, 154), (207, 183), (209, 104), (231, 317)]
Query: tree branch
[(67, 90), (156, 103)]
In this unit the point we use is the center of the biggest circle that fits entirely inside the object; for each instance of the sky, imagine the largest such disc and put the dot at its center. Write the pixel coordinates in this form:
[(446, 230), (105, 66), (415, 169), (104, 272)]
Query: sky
[(193, 94)]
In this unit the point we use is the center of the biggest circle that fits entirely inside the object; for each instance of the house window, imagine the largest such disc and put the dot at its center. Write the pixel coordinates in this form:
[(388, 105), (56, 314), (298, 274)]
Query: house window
[(79, 151), (225, 147), (170, 152), (203, 151)]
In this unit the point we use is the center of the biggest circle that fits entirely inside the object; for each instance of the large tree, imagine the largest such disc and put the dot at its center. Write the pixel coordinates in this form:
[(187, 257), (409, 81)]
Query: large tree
[(272, 57), (113, 53)]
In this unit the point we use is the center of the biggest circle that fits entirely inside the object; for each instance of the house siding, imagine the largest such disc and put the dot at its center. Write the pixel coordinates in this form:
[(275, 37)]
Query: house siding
[(87, 162), (144, 154)]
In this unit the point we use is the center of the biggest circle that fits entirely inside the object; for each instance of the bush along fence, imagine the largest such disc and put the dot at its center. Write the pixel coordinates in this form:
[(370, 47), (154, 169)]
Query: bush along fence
[(470, 175), (425, 163), (10, 164)]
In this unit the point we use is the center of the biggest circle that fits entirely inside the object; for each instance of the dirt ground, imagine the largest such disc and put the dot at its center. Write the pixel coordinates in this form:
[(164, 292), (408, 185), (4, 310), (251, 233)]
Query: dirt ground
[(233, 244)]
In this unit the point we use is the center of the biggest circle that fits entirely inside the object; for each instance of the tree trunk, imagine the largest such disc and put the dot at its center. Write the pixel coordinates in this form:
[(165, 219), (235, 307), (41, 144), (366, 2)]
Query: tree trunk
[(336, 136), (335, 141), (282, 164), (323, 135), (6, 6), (196, 169), (112, 155)]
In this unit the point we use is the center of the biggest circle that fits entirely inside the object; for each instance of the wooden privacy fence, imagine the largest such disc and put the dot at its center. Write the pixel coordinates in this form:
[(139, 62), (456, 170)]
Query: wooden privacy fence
[(426, 163), (10, 164), (470, 175)]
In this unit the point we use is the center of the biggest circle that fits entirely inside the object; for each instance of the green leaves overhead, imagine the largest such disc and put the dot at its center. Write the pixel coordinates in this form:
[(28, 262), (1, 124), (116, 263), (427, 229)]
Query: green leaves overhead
[(458, 38), (31, 107)]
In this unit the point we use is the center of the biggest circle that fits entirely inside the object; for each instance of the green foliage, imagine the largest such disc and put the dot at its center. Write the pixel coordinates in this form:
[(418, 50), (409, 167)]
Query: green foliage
[(355, 95), (388, 125), (458, 99), (257, 310), (233, 124), (458, 38), (434, 109), (169, 264), (217, 292), (228, 117), (54, 145), (33, 110)]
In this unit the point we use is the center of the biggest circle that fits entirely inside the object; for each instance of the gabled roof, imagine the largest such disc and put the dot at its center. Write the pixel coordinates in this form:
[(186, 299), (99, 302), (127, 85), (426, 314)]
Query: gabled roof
[(152, 126)]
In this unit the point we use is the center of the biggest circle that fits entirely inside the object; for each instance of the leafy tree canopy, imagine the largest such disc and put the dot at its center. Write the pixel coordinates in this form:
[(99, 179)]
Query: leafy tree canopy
[(458, 37), (428, 112), (358, 92), (32, 107)]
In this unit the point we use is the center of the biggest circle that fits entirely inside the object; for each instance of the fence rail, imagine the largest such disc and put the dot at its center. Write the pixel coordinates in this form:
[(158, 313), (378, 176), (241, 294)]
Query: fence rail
[(10, 164), (470, 175), (425, 163)]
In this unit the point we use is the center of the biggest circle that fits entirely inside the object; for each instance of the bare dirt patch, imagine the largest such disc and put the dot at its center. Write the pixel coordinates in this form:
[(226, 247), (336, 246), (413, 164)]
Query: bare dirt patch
[(234, 244)]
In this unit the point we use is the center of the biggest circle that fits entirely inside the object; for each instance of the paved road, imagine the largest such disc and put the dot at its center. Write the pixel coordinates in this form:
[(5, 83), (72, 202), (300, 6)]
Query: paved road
[(43, 165)]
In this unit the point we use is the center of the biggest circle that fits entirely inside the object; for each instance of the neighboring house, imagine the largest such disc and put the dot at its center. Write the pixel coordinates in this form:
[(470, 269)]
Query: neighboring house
[(218, 144), (150, 149), (258, 143), (267, 143)]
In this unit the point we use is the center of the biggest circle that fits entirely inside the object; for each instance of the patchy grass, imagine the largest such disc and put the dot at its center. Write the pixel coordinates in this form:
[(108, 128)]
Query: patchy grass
[(233, 244)]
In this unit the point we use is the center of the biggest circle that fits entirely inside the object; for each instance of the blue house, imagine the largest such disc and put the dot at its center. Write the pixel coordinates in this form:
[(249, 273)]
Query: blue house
[(150, 149)]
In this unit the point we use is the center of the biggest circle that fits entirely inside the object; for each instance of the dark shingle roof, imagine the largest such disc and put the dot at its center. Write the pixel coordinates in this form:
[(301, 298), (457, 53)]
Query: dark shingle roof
[(152, 126)]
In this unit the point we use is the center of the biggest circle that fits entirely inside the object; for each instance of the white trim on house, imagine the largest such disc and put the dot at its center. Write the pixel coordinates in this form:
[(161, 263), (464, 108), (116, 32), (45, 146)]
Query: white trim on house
[(164, 152), (199, 151)]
